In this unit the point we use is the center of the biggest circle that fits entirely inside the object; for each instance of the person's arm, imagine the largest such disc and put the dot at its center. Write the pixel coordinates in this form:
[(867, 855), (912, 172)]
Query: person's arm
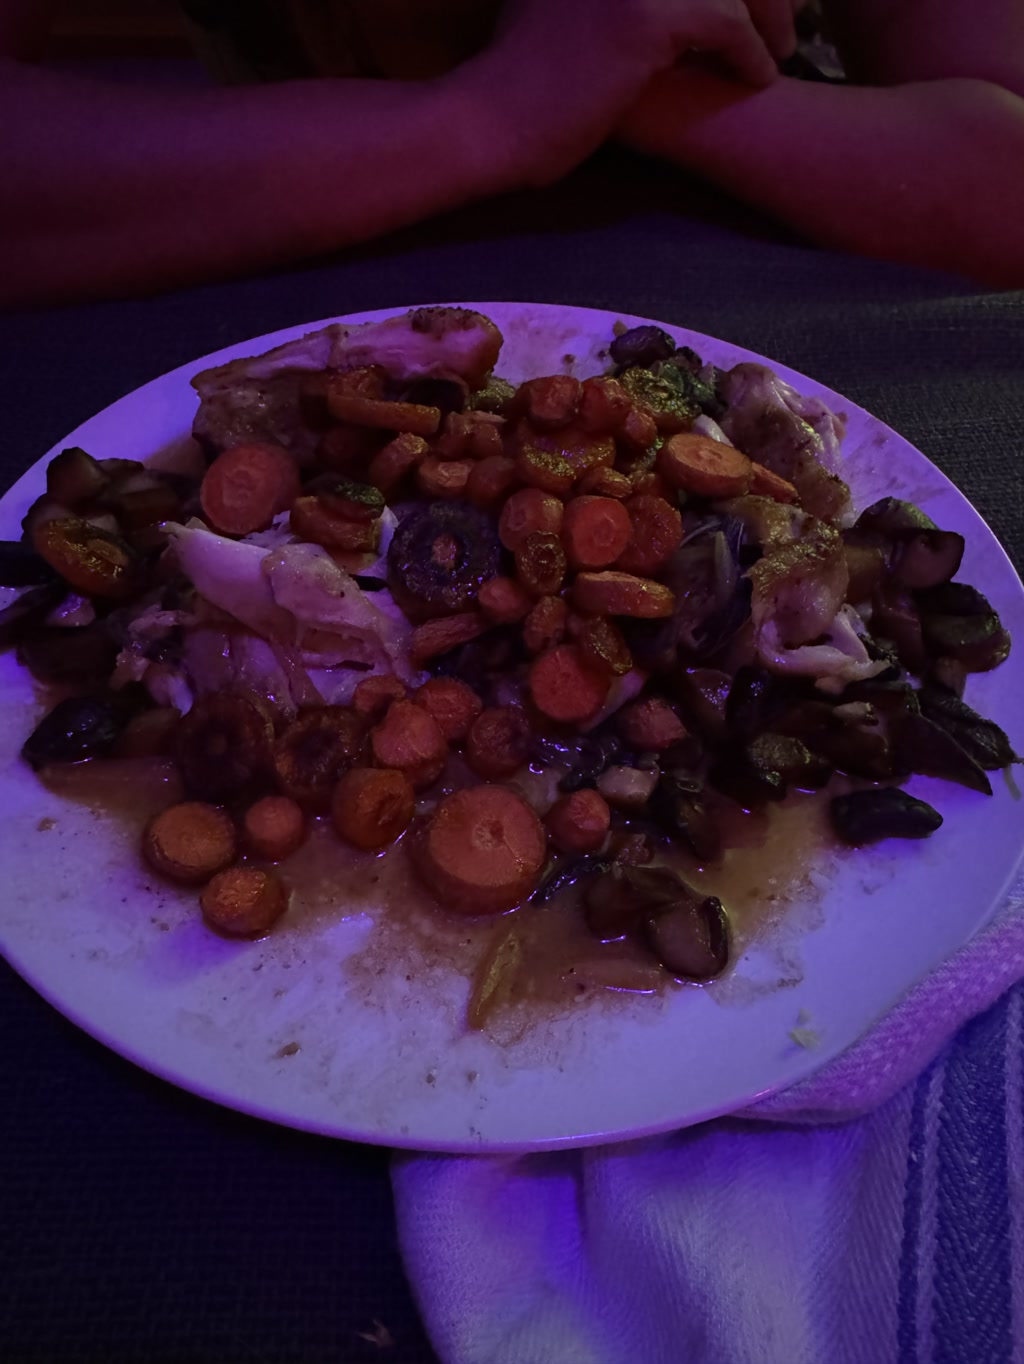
[(927, 172), (109, 189)]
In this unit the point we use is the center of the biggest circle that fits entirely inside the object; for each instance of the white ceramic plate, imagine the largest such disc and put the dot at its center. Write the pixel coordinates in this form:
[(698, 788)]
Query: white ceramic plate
[(278, 1028)]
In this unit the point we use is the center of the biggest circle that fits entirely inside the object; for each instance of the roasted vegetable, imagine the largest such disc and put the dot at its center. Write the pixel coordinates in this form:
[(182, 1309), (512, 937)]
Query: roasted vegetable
[(439, 556), (79, 727), (869, 816)]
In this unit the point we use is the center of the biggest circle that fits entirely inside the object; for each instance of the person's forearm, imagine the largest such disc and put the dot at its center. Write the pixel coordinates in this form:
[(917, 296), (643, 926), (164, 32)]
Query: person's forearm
[(106, 190), (928, 174)]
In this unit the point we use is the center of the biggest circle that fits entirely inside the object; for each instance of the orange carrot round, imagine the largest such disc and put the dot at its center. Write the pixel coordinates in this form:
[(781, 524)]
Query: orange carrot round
[(527, 512), (190, 842), (704, 466), (245, 487), (595, 531), (274, 827), (565, 685), (371, 806), (452, 703), (483, 850), (579, 823), (244, 901)]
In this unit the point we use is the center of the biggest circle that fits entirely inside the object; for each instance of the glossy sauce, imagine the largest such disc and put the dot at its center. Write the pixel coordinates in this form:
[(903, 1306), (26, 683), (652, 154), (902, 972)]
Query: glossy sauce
[(531, 962)]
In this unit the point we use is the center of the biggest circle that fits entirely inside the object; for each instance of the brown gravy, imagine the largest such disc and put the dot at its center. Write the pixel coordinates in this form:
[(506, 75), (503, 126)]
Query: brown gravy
[(531, 962)]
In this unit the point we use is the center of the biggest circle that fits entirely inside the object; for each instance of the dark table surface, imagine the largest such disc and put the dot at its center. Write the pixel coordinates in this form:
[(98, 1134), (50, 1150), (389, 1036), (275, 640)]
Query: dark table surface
[(138, 1223)]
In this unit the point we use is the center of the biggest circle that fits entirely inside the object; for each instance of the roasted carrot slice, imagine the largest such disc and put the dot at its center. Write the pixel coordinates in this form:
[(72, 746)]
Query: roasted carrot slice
[(765, 483), (245, 487), (374, 694), (410, 739), (483, 850), (190, 842), (274, 828), (595, 531), (527, 512), (452, 703), (622, 594), (707, 467), (656, 529), (504, 600), (566, 686), (499, 742), (371, 806), (579, 823), (244, 901), (546, 624), (436, 637), (491, 480)]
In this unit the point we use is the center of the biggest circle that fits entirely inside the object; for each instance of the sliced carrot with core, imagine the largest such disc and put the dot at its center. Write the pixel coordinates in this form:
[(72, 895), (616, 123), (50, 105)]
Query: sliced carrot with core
[(566, 686), (245, 487), (483, 850), (595, 531), (707, 467)]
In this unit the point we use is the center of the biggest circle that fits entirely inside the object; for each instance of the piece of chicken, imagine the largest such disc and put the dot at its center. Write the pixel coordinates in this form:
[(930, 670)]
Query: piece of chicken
[(793, 436), (258, 397)]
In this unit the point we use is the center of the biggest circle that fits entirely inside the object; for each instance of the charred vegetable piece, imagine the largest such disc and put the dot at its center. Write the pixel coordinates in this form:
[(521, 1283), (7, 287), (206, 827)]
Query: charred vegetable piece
[(869, 816), (982, 739), (792, 760), (93, 561), (593, 755), (27, 611), (852, 743), (579, 869), (314, 751), (439, 556), (893, 516), (953, 599), (756, 700), (887, 698), (21, 566), (929, 558), (922, 746), (80, 727), (703, 694), (616, 903), (223, 745), (979, 642), (691, 937), (749, 785), (947, 673), (81, 655), (644, 345), (698, 386), (895, 617), (74, 478), (680, 810)]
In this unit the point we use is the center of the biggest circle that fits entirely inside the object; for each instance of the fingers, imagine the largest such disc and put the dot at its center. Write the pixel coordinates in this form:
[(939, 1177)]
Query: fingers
[(744, 50), (773, 19)]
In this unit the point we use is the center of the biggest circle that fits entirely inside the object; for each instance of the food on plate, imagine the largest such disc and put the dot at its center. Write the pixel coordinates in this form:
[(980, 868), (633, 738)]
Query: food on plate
[(545, 645)]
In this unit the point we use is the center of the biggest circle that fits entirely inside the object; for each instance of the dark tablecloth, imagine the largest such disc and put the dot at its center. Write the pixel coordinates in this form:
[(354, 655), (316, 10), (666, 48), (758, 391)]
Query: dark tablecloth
[(138, 1223)]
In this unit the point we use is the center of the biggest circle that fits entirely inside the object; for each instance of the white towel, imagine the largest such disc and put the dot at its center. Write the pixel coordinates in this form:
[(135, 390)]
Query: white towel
[(795, 1232)]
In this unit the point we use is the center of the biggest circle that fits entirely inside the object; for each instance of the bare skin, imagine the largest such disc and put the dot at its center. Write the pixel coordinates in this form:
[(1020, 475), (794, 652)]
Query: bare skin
[(920, 163), (107, 190)]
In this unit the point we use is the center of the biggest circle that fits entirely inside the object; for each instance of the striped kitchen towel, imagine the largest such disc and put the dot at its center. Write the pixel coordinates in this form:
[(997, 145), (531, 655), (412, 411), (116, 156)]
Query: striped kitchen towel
[(793, 1233)]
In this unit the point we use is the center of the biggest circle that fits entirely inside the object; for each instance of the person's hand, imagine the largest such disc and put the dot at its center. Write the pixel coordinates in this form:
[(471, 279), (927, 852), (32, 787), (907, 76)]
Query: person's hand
[(560, 74), (774, 21)]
